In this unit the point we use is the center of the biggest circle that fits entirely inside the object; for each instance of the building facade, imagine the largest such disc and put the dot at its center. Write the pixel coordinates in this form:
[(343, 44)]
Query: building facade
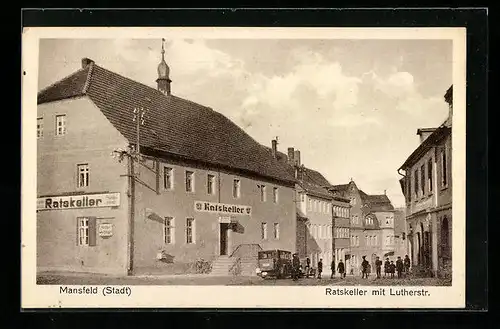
[(427, 186), (184, 182), (322, 218), (371, 226)]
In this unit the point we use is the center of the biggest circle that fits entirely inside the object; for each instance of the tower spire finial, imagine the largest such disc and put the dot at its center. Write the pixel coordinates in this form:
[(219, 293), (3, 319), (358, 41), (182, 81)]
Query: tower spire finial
[(163, 80)]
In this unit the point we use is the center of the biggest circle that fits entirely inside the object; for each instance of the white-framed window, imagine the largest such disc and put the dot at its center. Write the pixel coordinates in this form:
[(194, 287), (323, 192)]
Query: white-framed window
[(86, 231), (429, 175), (83, 175), (415, 185), (168, 230), (276, 231), (39, 127), (189, 181), (210, 184), (275, 194), (263, 231), (367, 238), (310, 205), (357, 240), (302, 197), (60, 124), (190, 231), (422, 180), (83, 231), (168, 178), (263, 193), (236, 188)]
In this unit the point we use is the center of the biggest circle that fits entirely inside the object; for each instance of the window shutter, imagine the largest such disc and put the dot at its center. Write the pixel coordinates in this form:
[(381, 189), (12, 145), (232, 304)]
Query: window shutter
[(92, 231), (77, 226)]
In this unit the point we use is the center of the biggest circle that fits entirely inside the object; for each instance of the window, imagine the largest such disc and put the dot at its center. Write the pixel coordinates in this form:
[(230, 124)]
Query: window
[(189, 181), (357, 240), (86, 231), (408, 188), (367, 240), (310, 205), (210, 184), (376, 240), (83, 175), (168, 230), (263, 193), (60, 125), (429, 174), (39, 127), (444, 169), (236, 188), (302, 197), (275, 194), (416, 183), (276, 231), (263, 231), (422, 179), (189, 230), (168, 178)]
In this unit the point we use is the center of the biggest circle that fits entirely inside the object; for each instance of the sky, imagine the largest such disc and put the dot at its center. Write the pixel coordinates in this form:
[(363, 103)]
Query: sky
[(352, 107)]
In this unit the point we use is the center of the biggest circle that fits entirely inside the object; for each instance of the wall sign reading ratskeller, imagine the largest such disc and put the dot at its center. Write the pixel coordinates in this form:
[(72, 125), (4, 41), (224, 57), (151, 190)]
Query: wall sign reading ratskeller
[(233, 209), (78, 201)]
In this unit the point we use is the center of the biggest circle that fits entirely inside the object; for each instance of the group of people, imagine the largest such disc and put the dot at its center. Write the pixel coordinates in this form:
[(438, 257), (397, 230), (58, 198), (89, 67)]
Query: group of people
[(390, 268), (401, 266)]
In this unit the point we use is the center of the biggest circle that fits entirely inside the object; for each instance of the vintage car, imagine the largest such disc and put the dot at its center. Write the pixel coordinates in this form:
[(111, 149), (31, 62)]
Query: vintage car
[(274, 263)]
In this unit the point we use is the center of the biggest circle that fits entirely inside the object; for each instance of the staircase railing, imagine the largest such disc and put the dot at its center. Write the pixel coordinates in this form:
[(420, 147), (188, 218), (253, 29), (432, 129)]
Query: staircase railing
[(235, 268), (245, 245)]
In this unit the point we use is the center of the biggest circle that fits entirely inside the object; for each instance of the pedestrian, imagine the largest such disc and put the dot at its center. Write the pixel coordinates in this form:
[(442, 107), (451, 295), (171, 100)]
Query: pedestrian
[(392, 268), (387, 267), (399, 266), (378, 266), (332, 267), (407, 264), (295, 267), (320, 267), (364, 268), (341, 268), (308, 267)]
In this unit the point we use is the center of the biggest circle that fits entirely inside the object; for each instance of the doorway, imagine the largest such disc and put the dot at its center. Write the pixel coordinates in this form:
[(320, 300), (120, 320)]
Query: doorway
[(224, 230)]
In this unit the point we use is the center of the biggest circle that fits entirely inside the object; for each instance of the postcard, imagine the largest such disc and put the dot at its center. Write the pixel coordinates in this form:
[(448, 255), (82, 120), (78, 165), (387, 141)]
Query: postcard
[(243, 167)]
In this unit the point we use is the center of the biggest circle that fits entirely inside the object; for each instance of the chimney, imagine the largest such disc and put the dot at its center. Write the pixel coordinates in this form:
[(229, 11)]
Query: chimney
[(290, 156), (296, 157), (385, 192), (274, 144), (448, 97), (424, 133), (86, 62)]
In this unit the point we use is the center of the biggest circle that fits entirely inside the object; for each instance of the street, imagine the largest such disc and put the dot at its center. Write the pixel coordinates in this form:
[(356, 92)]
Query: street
[(88, 279)]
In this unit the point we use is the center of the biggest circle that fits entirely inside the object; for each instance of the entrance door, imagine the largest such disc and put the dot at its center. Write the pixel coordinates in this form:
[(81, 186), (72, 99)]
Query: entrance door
[(223, 238)]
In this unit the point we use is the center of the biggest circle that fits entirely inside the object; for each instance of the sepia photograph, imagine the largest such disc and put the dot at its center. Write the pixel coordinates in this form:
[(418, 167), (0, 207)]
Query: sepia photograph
[(277, 160)]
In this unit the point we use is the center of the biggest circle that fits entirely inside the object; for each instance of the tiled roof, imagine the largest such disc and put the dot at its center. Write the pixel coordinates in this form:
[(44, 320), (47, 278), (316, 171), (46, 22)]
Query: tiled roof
[(69, 87), (314, 182), (172, 125), (340, 188), (376, 203)]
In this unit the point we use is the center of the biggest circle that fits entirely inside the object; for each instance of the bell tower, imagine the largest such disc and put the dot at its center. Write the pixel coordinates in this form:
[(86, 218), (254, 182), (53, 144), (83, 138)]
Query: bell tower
[(163, 81)]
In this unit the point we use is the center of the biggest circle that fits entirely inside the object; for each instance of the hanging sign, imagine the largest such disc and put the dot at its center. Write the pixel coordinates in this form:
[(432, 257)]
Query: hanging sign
[(105, 229), (78, 201), (222, 208)]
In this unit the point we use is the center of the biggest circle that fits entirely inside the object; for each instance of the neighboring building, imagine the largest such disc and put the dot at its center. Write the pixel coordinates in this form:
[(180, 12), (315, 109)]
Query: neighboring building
[(427, 187), (319, 236), (400, 245), (203, 188), (371, 226)]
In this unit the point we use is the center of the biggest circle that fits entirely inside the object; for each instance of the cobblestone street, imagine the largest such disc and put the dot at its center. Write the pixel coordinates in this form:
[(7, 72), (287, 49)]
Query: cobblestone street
[(87, 279)]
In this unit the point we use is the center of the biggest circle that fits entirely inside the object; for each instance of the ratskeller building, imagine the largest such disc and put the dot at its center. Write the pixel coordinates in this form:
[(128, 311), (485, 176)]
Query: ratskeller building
[(199, 188)]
